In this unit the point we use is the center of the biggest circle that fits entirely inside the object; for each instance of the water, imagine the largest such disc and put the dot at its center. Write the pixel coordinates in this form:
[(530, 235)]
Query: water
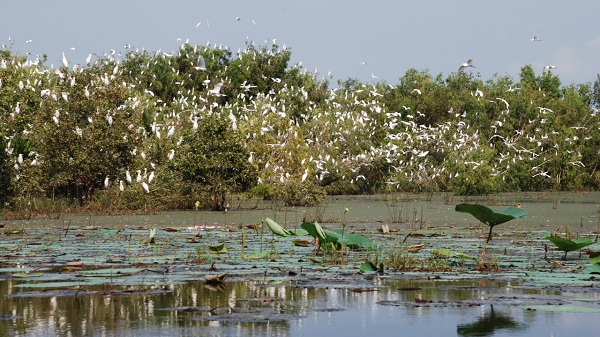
[(453, 308), (158, 289)]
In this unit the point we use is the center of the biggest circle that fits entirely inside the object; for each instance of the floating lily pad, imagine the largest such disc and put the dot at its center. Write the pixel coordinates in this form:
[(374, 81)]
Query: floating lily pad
[(558, 308), (22, 275), (368, 267)]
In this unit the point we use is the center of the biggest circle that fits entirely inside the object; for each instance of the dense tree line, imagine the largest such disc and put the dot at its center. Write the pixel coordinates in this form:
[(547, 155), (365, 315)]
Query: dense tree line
[(166, 130)]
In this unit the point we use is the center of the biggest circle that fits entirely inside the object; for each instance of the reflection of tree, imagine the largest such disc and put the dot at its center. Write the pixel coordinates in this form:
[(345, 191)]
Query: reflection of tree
[(488, 324)]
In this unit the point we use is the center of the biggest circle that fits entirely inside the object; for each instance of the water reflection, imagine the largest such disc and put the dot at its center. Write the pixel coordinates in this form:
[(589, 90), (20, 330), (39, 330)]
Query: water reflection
[(279, 308), (489, 323)]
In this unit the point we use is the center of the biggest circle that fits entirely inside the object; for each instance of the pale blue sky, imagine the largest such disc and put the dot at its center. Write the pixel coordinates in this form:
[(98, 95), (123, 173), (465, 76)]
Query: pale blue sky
[(334, 35)]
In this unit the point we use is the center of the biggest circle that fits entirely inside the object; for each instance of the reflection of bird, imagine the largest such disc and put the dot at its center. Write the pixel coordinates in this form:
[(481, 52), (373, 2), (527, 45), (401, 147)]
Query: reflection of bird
[(467, 64)]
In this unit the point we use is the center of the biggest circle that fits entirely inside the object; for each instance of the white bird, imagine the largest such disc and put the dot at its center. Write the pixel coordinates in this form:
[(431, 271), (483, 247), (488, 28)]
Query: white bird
[(88, 60), (145, 186), (151, 177), (216, 90), (549, 67), (201, 63), (415, 90), (171, 154), (128, 176), (64, 61), (535, 39), (467, 64), (106, 182), (305, 175), (121, 187), (139, 176)]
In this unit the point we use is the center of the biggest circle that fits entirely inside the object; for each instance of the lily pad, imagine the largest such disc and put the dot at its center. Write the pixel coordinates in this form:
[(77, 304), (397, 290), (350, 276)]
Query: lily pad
[(447, 253), (368, 267), (218, 248), (558, 308), (22, 275), (595, 257), (593, 269)]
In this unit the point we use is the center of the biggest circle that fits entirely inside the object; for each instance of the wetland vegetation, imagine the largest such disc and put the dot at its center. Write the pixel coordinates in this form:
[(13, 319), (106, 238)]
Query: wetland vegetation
[(129, 182)]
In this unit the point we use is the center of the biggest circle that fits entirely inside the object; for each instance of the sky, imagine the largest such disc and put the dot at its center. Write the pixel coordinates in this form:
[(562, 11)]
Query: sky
[(372, 41)]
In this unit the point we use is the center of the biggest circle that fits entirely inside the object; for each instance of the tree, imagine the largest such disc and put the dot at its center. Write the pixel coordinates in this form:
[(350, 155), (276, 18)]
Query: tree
[(214, 159)]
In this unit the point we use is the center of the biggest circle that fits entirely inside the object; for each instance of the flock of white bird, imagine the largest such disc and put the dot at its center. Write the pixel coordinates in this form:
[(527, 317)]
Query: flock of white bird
[(330, 139)]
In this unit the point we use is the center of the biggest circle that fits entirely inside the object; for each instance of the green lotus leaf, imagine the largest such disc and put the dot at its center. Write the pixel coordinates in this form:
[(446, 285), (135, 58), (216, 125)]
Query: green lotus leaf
[(567, 245), (595, 257), (276, 228), (368, 267), (490, 217)]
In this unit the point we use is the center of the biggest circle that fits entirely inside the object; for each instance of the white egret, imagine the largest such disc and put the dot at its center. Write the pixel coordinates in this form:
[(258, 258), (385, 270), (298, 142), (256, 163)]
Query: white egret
[(535, 39), (467, 64), (145, 187), (201, 63), (216, 90)]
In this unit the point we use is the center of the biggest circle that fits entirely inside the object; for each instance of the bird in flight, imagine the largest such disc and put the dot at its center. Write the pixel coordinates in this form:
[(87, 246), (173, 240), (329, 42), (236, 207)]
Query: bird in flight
[(549, 67), (535, 39), (467, 64)]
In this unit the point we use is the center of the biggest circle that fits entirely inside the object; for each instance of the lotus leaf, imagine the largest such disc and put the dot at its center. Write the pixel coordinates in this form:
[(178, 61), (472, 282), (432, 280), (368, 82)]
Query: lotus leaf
[(368, 267), (567, 245), (276, 228), (490, 217)]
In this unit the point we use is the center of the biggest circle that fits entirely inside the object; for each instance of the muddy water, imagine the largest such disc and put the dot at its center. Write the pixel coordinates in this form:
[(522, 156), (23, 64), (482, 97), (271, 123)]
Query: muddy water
[(59, 277)]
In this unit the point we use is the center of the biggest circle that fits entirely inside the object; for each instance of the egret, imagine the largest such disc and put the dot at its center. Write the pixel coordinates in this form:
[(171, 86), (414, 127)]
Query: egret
[(548, 67), (121, 187), (467, 64), (201, 63), (171, 154), (145, 186), (535, 39), (128, 176), (216, 90), (64, 61), (151, 177), (106, 182)]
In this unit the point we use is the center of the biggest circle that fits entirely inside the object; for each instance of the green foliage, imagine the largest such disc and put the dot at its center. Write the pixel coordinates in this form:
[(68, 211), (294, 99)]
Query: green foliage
[(274, 131), (567, 245), (490, 217)]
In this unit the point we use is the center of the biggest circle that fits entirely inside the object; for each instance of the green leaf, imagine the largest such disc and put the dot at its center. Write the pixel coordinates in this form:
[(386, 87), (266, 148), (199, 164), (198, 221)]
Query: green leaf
[(593, 269), (447, 253), (276, 228), (355, 241), (368, 267), (22, 275), (219, 248), (595, 257), (315, 230), (490, 217), (566, 245), (298, 231)]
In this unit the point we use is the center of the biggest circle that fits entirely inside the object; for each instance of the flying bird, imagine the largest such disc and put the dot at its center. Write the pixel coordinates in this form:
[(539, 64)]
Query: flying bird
[(535, 39), (467, 64), (201, 63), (549, 67), (216, 90)]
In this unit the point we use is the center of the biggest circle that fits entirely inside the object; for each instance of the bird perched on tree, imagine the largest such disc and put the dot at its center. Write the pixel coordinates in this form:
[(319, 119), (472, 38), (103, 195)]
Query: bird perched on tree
[(467, 64)]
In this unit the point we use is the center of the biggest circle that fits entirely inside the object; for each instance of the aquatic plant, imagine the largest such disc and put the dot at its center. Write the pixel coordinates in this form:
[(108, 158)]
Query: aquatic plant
[(491, 217), (567, 245)]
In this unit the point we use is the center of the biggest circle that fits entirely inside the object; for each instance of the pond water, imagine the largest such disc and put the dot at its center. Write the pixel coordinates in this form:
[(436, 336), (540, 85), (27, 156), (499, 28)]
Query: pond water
[(376, 306), (100, 275)]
